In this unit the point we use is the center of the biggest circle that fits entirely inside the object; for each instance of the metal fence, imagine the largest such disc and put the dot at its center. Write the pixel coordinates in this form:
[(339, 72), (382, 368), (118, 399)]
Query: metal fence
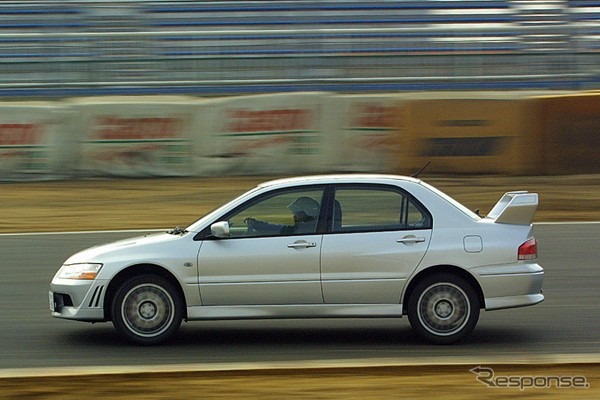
[(75, 48)]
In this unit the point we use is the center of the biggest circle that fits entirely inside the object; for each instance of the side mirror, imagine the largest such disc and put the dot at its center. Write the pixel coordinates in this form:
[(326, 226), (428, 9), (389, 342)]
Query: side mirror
[(220, 229)]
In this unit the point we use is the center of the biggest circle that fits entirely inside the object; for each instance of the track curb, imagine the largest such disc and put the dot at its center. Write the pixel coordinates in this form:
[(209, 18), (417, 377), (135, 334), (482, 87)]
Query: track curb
[(439, 362)]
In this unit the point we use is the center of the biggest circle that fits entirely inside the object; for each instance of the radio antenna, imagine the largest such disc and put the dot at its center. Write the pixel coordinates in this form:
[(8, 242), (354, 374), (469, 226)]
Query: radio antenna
[(416, 174)]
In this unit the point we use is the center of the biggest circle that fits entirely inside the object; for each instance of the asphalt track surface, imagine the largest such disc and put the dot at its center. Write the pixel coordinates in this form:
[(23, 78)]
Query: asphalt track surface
[(567, 322)]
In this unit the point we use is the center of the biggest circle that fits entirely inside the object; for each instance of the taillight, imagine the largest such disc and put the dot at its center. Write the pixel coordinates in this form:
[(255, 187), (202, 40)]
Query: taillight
[(528, 250)]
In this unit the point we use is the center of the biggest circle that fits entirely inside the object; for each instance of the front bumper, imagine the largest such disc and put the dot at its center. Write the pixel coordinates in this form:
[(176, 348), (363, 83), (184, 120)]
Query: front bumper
[(510, 286), (78, 300)]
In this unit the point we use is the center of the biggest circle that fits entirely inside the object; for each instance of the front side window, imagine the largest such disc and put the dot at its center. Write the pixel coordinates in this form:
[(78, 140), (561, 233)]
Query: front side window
[(289, 212), (368, 209)]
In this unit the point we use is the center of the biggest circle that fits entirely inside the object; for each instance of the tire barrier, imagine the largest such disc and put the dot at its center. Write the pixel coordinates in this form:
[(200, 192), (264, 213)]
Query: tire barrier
[(511, 133)]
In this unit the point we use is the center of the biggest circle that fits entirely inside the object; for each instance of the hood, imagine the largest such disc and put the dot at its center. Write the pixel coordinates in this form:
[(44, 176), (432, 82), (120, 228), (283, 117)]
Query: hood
[(107, 252)]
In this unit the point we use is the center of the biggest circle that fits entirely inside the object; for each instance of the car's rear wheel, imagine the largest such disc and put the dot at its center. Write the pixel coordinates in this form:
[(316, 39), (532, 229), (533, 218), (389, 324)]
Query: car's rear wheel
[(443, 308), (147, 309)]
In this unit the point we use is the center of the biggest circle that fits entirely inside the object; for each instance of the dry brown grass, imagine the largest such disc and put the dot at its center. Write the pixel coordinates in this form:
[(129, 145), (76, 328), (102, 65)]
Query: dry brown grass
[(162, 203)]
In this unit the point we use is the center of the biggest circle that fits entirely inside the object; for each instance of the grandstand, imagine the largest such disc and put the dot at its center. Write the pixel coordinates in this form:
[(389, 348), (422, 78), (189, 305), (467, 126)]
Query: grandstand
[(54, 49)]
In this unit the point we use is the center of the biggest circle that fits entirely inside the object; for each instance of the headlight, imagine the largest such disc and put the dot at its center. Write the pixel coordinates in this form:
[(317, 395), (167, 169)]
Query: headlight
[(86, 271)]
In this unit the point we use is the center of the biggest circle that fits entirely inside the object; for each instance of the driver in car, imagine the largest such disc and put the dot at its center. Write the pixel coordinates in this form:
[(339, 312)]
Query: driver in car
[(305, 211)]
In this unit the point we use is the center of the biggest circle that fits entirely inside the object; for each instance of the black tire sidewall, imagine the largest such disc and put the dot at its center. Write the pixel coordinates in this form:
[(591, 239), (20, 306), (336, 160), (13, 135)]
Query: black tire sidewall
[(118, 320)]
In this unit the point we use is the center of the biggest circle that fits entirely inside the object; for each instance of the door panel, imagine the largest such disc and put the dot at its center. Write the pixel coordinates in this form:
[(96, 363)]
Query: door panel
[(270, 253), (253, 271), (379, 236), (369, 268)]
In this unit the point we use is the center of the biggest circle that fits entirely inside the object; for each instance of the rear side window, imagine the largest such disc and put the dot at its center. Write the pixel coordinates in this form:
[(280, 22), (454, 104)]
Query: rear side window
[(376, 208)]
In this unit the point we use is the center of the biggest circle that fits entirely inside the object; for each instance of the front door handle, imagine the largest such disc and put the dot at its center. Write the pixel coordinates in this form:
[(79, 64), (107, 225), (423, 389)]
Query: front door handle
[(411, 239), (301, 245)]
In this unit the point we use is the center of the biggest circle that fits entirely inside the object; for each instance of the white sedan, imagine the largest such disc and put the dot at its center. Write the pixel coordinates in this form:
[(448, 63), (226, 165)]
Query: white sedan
[(365, 246)]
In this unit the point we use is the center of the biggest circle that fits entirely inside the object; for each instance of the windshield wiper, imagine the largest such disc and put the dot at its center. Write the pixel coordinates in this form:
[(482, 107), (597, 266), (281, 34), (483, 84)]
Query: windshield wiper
[(177, 231)]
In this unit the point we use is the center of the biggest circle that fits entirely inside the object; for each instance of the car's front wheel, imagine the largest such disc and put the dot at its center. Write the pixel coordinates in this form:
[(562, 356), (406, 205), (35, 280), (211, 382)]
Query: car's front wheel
[(147, 309), (443, 308)]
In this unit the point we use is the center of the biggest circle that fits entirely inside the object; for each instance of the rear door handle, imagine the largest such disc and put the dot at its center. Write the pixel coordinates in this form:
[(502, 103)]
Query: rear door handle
[(411, 239), (301, 245)]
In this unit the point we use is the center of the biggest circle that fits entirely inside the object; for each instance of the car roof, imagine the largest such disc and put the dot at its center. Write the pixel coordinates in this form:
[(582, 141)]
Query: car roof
[(338, 178)]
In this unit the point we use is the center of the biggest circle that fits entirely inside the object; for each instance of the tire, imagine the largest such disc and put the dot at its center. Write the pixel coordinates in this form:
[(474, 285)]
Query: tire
[(443, 308), (147, 310)]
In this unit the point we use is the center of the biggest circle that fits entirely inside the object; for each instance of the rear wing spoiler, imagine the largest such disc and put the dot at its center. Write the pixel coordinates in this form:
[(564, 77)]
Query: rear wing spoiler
[(515, 208)]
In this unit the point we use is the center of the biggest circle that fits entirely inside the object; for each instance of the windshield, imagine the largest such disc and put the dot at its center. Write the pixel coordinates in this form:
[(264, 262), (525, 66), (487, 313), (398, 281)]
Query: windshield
[(201, 223)]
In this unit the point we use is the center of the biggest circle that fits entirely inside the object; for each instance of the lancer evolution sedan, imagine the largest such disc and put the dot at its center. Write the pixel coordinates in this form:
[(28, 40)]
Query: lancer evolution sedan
[(331, 246)]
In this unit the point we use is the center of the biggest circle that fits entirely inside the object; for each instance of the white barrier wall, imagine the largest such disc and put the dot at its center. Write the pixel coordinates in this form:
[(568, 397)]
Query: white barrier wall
[(35, 141), (135, 136), (264, 134), (366, 130)]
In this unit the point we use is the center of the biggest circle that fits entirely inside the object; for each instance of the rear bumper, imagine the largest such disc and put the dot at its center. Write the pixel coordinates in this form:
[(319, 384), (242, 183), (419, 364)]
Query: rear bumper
[(499, 303), (510, 286)]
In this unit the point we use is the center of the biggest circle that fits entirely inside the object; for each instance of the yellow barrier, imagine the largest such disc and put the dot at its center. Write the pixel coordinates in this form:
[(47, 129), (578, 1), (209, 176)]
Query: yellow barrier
[(571, 133), (471, 136)]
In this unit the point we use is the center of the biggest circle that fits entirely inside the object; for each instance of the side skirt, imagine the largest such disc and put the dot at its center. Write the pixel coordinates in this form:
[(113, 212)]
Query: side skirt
[(294, 311)]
